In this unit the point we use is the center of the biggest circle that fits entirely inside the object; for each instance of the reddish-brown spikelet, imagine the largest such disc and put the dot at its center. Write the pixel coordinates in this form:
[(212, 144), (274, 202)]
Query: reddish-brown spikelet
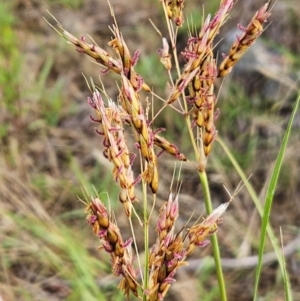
[(168, 147), (174, 10), (128, 62), (165, 57), (166, 254), (199, 232), (200, 71), (170, 251), (103, 57), (199, 75), (130, 101), (112, 242), (245, 40), (198, 47), (158, 141), (92, 50), (116, 150)]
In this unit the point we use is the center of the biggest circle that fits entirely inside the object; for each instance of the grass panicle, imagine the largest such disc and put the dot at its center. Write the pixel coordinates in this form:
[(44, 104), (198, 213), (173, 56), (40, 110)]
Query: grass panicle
[(194, 89), (121, 253), (216, 103), (115, 148)]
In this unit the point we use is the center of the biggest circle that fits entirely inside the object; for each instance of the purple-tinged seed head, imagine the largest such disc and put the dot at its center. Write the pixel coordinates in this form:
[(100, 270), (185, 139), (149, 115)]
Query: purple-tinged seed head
[(127, 243), (107, 247), (241, 27), (140, 82), (170, 263), (91, 102), (203, 243), (217, 113), (96, 120), (98, 207), (93, 47), (170, 279), (102, 233), (91, 219), (161, 222), (137, 179), (180, 255), (99, 133), (79, 50), (135, 57), (174, 208), (168, 239), (105, 70)]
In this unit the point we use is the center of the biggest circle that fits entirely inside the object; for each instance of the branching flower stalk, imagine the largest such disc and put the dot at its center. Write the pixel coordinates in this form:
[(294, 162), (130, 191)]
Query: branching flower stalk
[(198, 76), (166, 256), (194, 89)]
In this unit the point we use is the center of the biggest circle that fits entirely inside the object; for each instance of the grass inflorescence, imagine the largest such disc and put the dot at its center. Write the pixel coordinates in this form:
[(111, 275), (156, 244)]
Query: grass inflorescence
[(194, 91), (148, 239)]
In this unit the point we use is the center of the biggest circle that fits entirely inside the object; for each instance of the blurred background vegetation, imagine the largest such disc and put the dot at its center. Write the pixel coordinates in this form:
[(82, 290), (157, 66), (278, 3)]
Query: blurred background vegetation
[(50, 157)]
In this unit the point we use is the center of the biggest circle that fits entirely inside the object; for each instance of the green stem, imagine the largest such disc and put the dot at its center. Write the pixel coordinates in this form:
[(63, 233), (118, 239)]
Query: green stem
[(214, 238), (146, 240)]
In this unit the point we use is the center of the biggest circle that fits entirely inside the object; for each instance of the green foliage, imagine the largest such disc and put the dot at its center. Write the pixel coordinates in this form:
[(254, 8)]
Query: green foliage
[(152, 70), (10, 65), (50, 101), (48, 97), (265, 213), (267, 210), (60, 251)]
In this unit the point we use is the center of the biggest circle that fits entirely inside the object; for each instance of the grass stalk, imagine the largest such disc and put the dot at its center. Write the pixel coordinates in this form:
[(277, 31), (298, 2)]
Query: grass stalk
[(214, 238), (146, 239)]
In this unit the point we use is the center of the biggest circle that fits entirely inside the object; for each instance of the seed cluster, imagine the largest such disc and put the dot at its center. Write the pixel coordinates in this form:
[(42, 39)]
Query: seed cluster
[(166, 256), (201, 71), (196, 86), (130, 112), (111, 241)]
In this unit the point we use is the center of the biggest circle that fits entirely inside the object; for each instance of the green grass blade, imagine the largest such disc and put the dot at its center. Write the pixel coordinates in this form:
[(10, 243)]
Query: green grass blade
[(286, 282), (268, 206), (256, 201), (258, 205)]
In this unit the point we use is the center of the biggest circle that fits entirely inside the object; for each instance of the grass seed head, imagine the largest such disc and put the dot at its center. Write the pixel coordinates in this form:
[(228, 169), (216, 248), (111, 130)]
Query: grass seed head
[(174, 10), (198, 79), (112, 242), (165, 57), (245, 40), (115, 147), (168, 147)]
